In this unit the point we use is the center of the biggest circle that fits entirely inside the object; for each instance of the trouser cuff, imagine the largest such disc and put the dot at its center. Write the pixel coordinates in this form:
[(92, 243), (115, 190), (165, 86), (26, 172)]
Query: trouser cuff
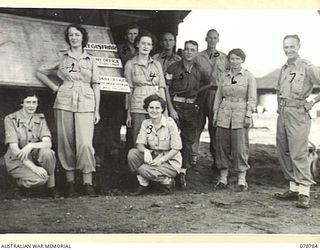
[(223, 176), (242, 178), (70, 176), (183, 171), (51, 181), (142, 181), (166, 180), (294, 187), (87, 178), (305, 190)]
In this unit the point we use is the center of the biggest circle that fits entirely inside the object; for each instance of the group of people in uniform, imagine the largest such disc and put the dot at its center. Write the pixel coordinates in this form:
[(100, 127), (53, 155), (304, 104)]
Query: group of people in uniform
[(171, 99), (212, 86)]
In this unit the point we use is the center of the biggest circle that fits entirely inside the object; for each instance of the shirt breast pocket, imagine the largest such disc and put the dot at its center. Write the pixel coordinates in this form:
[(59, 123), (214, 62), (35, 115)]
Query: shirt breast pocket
[(85, 68), (137, 73), (151, 139), (21, 133), (36, 130), (164, 141), (297, 82), (68, 67)]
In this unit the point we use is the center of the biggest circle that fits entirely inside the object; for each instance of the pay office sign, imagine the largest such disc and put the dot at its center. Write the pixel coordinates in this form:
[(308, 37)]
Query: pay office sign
[(114, 84), (107, 62)]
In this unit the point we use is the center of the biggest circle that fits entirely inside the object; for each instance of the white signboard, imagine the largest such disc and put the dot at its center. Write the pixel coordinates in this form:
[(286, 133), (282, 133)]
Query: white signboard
[(116, 84), (101, 47), (108, 62)]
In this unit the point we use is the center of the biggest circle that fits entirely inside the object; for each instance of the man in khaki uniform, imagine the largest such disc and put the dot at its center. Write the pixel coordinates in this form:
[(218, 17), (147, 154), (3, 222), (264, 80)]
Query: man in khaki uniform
[(214, 63), (127, 50), (168, 55), (295, 84)]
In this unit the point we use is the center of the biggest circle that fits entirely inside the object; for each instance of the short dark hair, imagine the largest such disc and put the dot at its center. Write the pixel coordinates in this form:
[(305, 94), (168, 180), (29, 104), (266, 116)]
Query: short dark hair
[(295, 36), (85, 36), (27, 93), (144, 33), (212, 30), (131, 26), (191, 42), (162, 36), (152, 98), (237, 52)]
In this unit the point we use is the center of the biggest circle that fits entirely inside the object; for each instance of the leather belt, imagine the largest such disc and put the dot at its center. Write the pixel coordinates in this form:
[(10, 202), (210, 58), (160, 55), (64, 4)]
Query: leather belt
[(291, 103), (184, 99)]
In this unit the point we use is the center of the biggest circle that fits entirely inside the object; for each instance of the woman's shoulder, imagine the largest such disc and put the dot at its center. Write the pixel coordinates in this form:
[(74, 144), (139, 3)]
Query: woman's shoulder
[(156, 62), (146, 122), (130, 62), (247, 72)]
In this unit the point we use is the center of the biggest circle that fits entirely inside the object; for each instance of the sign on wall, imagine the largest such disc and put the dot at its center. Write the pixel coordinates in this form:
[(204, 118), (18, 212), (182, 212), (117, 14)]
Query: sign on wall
[(22, 44), (115, 84)]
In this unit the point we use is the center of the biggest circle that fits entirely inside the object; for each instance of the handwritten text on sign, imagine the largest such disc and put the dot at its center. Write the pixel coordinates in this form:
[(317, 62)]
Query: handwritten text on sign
[(116, 84), (101, 47), (108, 62)]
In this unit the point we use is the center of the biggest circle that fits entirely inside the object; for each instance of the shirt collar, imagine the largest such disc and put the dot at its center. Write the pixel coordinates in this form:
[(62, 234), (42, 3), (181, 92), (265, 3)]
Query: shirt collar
[(163, 122), (229, 73), (22, 119), (128, 47), (205, 53), (297, 61), (84, 55), (135, 60), (163, 55)]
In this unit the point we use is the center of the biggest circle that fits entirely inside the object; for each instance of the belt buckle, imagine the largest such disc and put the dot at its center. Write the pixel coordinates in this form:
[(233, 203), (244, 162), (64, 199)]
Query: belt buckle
[(300, 103)]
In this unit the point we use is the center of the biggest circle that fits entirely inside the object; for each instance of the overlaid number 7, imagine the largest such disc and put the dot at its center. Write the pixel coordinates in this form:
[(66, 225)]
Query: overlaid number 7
[(294, 75)]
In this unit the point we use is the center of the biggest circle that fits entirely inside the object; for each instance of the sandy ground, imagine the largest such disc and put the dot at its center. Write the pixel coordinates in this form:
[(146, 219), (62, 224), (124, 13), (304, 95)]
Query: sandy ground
[(198, 209)]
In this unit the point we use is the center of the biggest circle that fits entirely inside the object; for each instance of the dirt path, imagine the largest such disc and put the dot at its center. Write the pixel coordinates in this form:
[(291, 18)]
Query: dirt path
[(198, 209)]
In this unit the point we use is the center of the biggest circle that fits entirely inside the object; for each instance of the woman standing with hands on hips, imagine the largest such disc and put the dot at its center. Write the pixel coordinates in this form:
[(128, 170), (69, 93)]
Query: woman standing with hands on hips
[(145, 78), (234, 103), (76, 107)]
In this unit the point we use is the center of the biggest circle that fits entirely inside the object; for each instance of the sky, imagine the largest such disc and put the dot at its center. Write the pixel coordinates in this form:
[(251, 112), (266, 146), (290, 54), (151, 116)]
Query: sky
[(259, 33)]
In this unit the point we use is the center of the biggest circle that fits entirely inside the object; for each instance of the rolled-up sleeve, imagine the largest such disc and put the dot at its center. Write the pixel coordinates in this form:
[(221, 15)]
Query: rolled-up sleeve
[(95, 72), (217, 101), (49, 68), (314, 75), (169, 76), (174, 135), (252, 95), (142, 136), (162, 81), (10, 132), (128, 73), (44, 132)]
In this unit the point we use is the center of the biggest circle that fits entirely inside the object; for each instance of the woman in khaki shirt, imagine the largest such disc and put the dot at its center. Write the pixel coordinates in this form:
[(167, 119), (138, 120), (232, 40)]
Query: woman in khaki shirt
[(145, 78), (157, 156), (234, 103), (76, 107)]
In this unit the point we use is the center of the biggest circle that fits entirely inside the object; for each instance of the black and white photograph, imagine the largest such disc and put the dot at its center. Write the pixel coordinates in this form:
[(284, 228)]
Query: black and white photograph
[(159, 121)]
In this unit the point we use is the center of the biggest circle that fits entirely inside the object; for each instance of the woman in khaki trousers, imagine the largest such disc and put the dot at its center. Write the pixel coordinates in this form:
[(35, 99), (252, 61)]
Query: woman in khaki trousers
[(76, 107)]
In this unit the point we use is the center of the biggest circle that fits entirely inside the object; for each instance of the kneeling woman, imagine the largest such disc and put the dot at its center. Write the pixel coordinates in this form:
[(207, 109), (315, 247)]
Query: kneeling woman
[(157, 156), (29, 159)]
